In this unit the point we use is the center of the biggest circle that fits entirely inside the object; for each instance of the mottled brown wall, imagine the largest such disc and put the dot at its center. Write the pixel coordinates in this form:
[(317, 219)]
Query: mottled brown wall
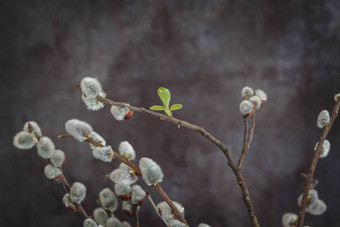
[(204, 52)]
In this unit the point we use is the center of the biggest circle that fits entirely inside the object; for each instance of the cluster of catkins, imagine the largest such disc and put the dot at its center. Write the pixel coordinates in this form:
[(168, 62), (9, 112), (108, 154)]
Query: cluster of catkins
[(315, 206), (32, 136), (252, 100)]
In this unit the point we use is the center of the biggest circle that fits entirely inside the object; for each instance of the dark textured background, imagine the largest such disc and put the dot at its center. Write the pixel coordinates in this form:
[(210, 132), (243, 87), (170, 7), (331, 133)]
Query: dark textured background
[(204, 52)]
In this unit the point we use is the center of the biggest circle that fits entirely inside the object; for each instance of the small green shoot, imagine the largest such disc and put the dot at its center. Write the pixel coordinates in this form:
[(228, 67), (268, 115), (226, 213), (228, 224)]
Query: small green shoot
[(165, 96)]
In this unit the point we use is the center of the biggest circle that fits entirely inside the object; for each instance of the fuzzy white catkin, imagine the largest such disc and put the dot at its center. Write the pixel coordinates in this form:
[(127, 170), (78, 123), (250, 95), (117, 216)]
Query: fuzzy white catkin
[(103, 153), (88, 222), (203, 225), (93, 103), (114, 222), (36, 128), (79, 130), (45, 147), (323, 119), (312, 195), (57, 158), (246, 107), (137, 195), (256, 101), (127, 206), (126, 150), (24, 140), (98, 138), (108, 199), (67, 201), (288, 219), (167, 211), (261, 94), (51, 171), (318, 208), (77, 192), (176, 223), (122, 189), (119, 112), (123, 176), (247, 92), (90, 87), (151, 171), (326, 146), (100, 216), (337, 97)]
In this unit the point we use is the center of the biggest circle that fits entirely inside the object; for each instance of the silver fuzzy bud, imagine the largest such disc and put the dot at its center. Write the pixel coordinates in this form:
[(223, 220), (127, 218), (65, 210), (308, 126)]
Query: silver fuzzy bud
[(98, 138), (108, 200), (123, 176), (88, 222), (151, 171), (100, 216), (323, 119), (247, 92), (137, 195), (45, 147), (104, 154), (79, 130), (35, 126), (51, 172), (126, 150), (57, 158), (77, 192), (91, 87), (288, 219), (167, 211), (119, 112), (24, 140)]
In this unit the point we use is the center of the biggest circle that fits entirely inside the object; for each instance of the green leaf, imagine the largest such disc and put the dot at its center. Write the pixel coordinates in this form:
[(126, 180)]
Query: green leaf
[(176, 107), (164, 95), (156, 107)]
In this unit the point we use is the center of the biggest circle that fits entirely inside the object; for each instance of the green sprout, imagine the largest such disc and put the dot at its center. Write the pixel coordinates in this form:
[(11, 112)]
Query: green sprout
[(165, 96)]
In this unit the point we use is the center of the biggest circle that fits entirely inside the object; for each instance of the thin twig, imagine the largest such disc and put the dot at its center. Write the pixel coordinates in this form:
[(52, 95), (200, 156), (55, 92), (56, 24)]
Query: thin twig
[(315, 159), (246, 141), (211, 138), (158, 211)]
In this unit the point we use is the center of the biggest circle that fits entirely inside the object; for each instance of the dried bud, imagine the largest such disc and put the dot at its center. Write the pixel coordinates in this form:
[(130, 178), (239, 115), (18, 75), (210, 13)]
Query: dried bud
[(123, 191), (176, 223), (318, 208), (126, 150), (323, 119), (247, 108), (108, 200), (256, 101), (337, 97), (57, 158), (247, 92), (77, 192), (289, 219), (45, 147), (123, 176), (100, 216), (118, 112), (128, 115), (80, 130), (167, 211), (127, 207), (203, 225), (151, 171), (104, 154), (326, 146), (137, 195), (52, 172), (312, 198), (90, 87), (35, 127), (98, 138), (114, 222), (88, 222), (68, 203), (24, 140), (262, 95)]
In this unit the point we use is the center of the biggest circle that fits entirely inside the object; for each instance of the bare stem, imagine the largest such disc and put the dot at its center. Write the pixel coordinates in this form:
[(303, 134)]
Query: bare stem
[(314, 162), (137, 216), (211, 138)]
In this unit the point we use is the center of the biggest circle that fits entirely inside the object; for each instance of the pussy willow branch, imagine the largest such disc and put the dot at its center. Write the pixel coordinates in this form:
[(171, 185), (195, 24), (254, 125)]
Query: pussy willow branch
[(240, 180), (137, 171), (315, 159), (247, 139), (64, 182)]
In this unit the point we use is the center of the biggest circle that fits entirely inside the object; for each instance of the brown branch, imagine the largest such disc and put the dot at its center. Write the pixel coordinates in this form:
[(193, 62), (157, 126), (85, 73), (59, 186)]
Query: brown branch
[(137, 216), (203, 132), (315, 159), (246, 139)]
